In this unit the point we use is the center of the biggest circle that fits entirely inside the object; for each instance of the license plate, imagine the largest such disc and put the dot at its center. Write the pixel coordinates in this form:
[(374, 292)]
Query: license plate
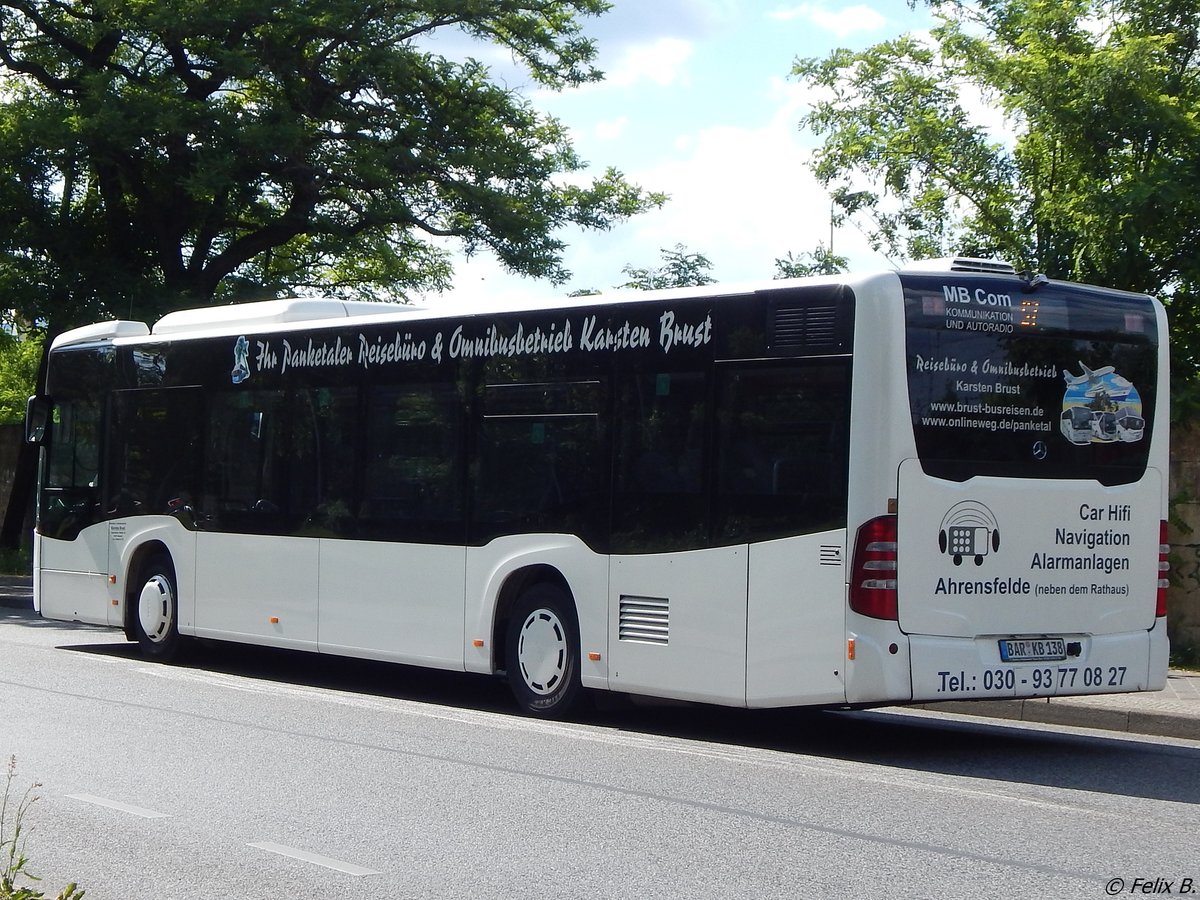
[(1033, 649)]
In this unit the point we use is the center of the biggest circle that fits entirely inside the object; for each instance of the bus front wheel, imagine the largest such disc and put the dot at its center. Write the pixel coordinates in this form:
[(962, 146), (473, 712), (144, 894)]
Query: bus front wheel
[(542, 653), (157, 612)]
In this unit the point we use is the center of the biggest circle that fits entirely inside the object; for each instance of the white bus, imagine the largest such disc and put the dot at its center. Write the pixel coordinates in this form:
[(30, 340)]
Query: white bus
[(836, 491)]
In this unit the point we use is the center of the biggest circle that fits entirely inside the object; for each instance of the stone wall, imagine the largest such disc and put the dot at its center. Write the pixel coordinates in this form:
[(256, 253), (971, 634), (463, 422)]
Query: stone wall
[(1183, 602), (10, 446), (11, 438)]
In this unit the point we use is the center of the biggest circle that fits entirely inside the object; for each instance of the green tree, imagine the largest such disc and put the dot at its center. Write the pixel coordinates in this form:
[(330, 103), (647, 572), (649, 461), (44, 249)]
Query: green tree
[(822, 261), (164, 153), (1096, 176), (679, 269), (19, 361)]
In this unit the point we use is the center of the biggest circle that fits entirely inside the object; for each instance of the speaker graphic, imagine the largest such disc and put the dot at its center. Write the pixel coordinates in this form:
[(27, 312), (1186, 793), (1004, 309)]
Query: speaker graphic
[(969, 529)]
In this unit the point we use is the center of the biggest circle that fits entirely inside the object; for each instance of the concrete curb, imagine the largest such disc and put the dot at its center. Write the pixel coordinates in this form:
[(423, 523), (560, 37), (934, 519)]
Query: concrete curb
[(1079, 714)]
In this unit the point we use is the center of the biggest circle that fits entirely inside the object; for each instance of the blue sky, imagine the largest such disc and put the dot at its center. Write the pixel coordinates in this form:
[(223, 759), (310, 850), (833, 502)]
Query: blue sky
[(698, 103)]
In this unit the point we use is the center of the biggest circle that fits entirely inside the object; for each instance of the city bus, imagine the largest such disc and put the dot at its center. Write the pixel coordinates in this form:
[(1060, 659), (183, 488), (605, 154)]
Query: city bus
[(841, 491)]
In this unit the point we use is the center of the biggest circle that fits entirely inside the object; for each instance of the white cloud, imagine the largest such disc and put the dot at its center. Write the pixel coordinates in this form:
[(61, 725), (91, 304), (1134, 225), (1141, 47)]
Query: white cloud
[(741, 196), (663, 62), (611, 129), (840, 22)]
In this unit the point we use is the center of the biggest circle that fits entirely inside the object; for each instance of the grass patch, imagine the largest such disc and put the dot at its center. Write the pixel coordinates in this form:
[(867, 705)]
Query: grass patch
[(13, 864), (1185, 656), (16, 562)]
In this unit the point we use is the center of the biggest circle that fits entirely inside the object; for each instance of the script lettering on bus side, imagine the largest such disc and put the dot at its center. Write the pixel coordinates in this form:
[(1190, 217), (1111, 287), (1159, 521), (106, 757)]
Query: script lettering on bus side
[(587, 334)]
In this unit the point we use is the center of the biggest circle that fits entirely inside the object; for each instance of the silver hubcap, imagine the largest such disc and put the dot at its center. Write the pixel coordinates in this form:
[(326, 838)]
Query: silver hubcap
[(154, 608), (542, 651)]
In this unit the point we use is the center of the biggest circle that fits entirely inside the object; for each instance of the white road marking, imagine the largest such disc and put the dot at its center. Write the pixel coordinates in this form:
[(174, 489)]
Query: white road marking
[(314, 858), (121, 807)]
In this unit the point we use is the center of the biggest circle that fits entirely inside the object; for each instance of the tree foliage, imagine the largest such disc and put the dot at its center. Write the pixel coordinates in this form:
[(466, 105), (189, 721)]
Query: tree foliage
[(1095, 174), (821, 261), (679, 268), (161, 153), (19, 361)]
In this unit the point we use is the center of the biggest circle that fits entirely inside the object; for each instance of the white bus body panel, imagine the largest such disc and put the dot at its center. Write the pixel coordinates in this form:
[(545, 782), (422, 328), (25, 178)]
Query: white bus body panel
[(796, 621), (247, 580), (677, 624), (1009, 571), (881, 669), (73, 577), (393, 602)]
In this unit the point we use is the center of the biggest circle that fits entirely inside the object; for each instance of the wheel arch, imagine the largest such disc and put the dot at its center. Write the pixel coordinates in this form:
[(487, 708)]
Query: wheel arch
[(133, 567), (513, 587)]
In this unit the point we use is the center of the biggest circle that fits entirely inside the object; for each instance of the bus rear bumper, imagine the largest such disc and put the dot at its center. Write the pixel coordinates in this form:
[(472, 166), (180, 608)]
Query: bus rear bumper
[(946, 668), (878, 667)]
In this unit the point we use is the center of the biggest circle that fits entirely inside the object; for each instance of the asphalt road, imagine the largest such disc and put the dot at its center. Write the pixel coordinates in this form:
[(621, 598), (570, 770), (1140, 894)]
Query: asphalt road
[(262, 774)]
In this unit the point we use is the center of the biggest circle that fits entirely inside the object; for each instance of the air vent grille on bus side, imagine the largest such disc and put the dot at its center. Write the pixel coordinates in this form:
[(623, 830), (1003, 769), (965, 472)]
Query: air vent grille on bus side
[(805, 327), (644, 619), (815, 320)]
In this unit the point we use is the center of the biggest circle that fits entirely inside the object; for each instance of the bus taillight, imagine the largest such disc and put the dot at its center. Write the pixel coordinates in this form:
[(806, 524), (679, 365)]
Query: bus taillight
[(1164, 566), (873, 574)]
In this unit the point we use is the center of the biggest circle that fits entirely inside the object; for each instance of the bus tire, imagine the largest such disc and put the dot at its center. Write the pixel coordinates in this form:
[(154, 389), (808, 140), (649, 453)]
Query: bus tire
[(156, 611), (542, 653)]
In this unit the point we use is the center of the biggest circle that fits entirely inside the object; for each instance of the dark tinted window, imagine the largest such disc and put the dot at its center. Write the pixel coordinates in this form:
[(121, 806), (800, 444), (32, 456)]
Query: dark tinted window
[(262, 462), (74, 457), (154, 451), (70, 494), (782, 450), (339, 445), (70, 497), (412, 484), (541, 462), (1058, 383), (660, 502)]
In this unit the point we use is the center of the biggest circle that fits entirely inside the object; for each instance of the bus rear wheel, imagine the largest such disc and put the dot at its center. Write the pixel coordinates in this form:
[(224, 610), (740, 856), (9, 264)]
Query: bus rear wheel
[(156, 616), (542, 653)]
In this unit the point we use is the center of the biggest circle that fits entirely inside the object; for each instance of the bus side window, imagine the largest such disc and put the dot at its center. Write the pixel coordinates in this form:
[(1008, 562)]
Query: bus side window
[(782, 446), (540, 463), (412, 486), (74, 458), (659, 500), (261, 462), (154, 451)]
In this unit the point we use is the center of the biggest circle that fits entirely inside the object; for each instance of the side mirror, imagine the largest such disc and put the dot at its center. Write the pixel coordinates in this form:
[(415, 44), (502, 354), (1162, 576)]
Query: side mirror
[(37, 419)]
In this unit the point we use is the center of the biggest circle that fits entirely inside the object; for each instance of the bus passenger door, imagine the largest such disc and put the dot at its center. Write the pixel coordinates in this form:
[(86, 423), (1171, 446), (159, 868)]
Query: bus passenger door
[(73, 542), (782, 458), (392, 583)]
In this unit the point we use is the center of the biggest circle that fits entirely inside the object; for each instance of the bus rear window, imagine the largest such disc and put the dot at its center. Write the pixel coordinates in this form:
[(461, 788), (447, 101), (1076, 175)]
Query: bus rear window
[(1058, 383)]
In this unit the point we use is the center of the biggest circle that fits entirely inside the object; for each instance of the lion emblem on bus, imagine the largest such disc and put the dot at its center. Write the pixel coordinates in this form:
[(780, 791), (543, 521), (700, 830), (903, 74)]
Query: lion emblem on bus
[(241, 361), (969, 529)]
